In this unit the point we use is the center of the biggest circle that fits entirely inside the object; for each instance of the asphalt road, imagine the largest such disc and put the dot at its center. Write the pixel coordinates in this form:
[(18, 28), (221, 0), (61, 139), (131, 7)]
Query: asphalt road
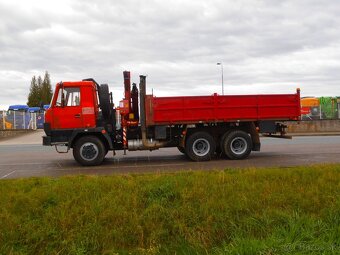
[(25, 157)]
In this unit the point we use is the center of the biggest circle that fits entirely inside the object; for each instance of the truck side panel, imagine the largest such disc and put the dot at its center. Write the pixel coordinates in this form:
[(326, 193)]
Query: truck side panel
[(215, 108)]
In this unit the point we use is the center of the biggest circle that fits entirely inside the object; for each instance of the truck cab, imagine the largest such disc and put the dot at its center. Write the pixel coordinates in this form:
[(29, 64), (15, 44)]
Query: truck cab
[(74, 105), (78, 117)]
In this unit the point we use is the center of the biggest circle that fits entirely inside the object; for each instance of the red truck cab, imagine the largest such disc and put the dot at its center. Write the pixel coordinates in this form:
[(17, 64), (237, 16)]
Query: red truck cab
[(74, 105)]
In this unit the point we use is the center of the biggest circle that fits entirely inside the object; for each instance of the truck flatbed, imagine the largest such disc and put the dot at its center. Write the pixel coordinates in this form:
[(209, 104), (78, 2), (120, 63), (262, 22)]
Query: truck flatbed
[(217, 108)]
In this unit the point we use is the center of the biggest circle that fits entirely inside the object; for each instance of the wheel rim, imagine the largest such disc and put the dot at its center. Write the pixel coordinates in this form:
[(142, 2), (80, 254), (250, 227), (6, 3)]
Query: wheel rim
[(89, 151), (201, 147), (238, 145)]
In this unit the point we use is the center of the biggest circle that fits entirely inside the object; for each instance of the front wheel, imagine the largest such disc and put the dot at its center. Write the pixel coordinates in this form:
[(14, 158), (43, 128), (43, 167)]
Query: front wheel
[(89, 151), (200, 146)]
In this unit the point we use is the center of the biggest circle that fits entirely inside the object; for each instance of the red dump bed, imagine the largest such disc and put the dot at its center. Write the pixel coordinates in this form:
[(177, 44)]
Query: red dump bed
[(216, 108)]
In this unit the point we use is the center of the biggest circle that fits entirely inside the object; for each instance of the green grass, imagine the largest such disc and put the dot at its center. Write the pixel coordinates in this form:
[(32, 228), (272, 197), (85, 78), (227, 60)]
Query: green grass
[(250, 211)]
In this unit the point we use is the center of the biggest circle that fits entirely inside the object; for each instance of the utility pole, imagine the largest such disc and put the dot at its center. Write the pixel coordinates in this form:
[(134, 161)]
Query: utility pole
[(221, 64)]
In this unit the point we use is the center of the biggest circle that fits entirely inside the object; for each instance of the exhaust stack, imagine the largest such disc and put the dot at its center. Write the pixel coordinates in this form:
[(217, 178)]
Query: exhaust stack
[(144, 144), (127, 88), (134, 102)]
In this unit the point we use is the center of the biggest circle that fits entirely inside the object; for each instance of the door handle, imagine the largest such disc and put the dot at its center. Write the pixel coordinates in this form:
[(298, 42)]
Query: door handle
[(77, 115)]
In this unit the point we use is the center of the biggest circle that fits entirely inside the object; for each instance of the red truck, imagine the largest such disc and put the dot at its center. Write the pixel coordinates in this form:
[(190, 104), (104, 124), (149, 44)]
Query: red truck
[(82, 117)]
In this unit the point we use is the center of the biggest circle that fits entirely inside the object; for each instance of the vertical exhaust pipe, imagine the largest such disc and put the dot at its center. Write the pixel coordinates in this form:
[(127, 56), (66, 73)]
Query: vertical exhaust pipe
[(134, 101), (127, 88), (142, 118), (145, 143)]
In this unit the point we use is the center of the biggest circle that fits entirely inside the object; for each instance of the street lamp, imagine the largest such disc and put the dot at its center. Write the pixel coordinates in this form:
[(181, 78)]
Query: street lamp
[(221, 64)]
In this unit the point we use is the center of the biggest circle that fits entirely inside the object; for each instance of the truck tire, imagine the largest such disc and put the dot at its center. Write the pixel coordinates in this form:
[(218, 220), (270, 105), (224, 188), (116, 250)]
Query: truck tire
[(89, 151), (221, 143), (237, 144), (200, 146), (104, 101)]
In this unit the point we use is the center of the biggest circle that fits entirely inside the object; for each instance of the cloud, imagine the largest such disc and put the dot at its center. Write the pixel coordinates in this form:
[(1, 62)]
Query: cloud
[(265, 46)]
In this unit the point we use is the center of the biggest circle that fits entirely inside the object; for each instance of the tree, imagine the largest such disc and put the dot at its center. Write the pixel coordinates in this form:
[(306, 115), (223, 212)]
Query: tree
[(46, 89), (33, 96), (40, 91)]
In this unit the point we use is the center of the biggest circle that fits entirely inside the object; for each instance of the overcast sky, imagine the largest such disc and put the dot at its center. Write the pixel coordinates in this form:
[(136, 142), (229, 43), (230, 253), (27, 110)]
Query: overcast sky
[(266, 46)]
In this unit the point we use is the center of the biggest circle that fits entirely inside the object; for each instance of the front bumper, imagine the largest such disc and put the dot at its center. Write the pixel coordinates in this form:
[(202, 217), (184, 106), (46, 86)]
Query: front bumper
[(47, 140), (47, 128)]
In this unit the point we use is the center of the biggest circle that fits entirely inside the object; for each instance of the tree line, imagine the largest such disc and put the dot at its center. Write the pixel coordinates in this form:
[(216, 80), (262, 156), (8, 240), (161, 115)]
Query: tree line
[(40, 91)]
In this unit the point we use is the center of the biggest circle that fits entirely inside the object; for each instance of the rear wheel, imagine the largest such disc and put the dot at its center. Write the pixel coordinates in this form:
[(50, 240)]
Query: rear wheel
[(221, 143), (89, 151), (200, 146), (237, 144)]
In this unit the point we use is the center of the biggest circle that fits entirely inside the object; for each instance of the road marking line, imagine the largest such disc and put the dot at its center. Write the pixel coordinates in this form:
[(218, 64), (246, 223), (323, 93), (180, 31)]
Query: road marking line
[(6, 175), (24, 164), (110, 168), (95, 168)]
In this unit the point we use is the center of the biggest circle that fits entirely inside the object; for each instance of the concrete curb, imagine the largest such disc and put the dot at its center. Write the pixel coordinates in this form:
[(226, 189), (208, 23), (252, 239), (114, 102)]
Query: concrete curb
[(315, 134), (8, 134), (330, 127)]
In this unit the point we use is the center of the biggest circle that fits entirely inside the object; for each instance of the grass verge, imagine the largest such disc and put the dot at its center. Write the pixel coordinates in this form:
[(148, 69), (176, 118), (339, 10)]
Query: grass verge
[(250, 211)]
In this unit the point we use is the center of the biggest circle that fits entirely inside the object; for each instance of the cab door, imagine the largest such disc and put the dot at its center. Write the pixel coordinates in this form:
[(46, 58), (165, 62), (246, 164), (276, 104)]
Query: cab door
[(67, 110)]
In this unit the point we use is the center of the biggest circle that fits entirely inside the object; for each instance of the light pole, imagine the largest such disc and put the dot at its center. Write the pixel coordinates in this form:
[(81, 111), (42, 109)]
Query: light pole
[(221, 64)]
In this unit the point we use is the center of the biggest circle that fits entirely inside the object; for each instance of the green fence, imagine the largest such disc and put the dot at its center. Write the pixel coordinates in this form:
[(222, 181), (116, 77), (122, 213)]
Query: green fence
[(329, 107)]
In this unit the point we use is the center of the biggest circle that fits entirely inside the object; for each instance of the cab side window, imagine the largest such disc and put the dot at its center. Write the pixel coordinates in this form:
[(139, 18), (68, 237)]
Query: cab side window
[(71, 97), (58, 102)]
